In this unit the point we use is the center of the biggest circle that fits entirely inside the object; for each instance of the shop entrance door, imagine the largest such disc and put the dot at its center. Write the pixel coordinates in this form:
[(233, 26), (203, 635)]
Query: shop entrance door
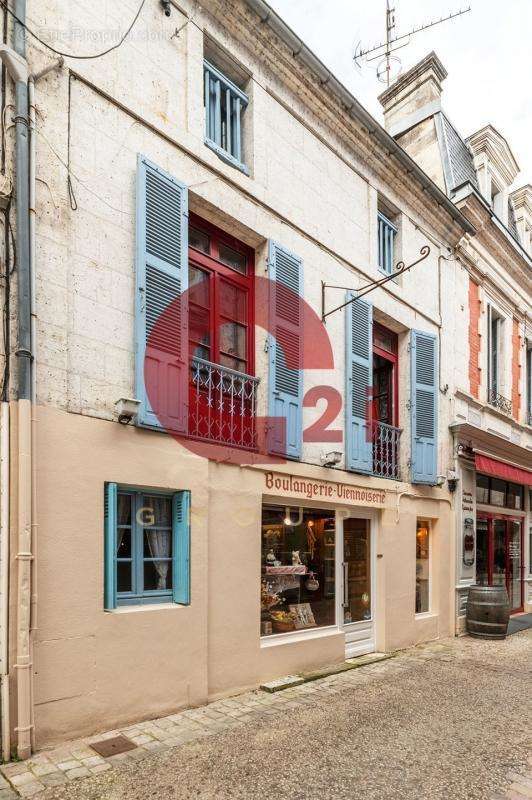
[(500, 556), (357, 610)]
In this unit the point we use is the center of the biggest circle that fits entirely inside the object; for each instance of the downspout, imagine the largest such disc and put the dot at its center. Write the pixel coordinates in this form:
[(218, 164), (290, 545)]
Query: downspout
[(33, 338), (5, 727)]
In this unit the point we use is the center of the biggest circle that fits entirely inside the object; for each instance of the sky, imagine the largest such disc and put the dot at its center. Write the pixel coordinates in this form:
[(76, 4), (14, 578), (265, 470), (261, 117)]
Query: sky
[(486, 53)]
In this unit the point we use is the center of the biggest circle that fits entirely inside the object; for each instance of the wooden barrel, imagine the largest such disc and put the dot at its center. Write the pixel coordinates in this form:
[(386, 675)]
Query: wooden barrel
[(488, 612)]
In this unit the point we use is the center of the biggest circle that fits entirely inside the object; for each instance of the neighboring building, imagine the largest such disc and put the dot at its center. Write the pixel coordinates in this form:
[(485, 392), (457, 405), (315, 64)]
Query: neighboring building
[(214, 160), (490, 283)]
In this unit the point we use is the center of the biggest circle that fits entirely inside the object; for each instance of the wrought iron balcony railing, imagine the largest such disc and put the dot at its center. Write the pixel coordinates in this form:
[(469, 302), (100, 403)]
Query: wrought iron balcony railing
[(386, 451), (500, 402), (222, 405)]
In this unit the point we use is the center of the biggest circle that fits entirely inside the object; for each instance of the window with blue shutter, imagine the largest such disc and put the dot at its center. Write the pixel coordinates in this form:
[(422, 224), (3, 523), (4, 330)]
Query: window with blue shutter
[(424, 407), (225, 104), (285, 352), (161, 369), (147, 547), (359, 380), (387, 232)]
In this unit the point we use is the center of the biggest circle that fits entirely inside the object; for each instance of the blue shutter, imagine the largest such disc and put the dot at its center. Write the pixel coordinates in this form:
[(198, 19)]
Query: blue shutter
[(109, 515), (359, 380), (162, 277), (286, 338), (181, 535), (424, 407)]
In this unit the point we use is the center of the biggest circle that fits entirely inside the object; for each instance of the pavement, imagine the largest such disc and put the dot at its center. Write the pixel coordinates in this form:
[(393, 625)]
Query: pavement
[(449, 720)]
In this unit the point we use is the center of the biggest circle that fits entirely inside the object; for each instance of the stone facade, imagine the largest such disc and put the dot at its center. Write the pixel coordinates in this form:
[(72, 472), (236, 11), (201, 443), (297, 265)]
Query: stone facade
[(318, 177)]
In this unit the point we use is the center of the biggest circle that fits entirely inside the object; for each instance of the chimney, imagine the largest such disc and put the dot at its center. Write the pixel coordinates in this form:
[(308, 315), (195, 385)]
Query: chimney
[(414, 96)]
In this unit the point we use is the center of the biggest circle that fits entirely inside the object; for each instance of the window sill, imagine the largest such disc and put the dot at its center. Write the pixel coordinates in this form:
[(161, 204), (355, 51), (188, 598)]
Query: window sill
[(143, 607), (299, 636), (425, 615), (227, 157)]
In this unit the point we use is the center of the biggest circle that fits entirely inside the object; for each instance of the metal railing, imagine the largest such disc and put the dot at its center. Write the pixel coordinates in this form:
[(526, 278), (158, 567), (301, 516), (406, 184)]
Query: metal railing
[(500, 402), (386, 451), (529, 418), (387, 233), (225, 104), (222, 405)]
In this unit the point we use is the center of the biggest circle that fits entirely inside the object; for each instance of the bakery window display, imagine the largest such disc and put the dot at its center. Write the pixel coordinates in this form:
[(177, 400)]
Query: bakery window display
[(297, 569)]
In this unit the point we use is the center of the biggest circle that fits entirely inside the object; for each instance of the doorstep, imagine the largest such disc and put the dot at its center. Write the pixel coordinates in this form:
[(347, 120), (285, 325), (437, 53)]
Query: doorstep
[(290, 681)]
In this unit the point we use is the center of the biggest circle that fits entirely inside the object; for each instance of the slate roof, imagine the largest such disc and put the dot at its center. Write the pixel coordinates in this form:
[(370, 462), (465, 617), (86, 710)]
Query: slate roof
[(458, 166)]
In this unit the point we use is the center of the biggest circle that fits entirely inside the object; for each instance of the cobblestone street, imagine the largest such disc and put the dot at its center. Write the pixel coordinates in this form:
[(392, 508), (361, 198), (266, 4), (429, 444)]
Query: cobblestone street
[(445, 720)]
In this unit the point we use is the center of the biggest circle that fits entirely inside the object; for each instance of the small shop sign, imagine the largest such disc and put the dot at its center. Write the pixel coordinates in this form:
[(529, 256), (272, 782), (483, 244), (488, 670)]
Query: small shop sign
[(311, 489)]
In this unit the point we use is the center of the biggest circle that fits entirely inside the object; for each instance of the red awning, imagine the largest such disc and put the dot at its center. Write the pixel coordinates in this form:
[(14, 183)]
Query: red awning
[(490, 466)]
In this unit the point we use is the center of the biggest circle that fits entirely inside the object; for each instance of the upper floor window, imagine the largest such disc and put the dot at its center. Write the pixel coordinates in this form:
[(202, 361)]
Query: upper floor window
[(225, 104), (495, 362), (146, 546), (385, 412), (222, 389), (528, 374), (387, 234)]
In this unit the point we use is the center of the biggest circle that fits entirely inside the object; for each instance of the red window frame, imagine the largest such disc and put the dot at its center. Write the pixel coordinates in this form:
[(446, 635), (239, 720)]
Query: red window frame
[(218, 274), (392, 356)]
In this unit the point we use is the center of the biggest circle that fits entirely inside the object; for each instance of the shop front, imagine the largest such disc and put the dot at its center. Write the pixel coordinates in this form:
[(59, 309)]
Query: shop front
[(494, 512), (318, 573)]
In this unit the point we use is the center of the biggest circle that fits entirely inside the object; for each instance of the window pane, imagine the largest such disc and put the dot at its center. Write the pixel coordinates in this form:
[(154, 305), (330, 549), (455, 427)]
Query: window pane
[(232, 302), (497, 493), (157, 544), (156, 511), (199, 328), (515, 496), (199, 290), (233, 363), (422, 567), (357, 570), (233, 340), (157, 575), (124, 509), (298, 569), (123, 543), (483, 489), (123, 576), (199, 240), (232, 258)]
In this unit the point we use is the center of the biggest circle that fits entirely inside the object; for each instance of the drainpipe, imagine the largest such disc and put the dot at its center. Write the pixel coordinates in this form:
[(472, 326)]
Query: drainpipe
[(32, 80), (5, 728)]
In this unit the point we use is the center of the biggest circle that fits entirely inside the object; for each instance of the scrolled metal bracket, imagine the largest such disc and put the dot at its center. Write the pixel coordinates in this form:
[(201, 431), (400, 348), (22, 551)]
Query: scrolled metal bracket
[(400, 269)]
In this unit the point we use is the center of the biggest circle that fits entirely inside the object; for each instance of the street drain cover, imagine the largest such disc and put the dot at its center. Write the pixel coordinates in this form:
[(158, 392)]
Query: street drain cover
[(114, 746)]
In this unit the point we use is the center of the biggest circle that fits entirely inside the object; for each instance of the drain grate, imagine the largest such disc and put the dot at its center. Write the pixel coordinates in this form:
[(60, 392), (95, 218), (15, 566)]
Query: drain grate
[(114, 746)]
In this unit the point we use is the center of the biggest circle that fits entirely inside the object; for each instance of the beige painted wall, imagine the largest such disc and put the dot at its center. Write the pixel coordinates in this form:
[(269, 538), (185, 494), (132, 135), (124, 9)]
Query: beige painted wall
[(96, 669)]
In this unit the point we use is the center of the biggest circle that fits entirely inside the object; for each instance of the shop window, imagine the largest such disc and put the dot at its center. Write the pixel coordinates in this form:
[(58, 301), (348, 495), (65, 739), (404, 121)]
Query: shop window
[(146, 547), (514, 497), (497, 492), (297, 569), (483, 489), (422, 567)]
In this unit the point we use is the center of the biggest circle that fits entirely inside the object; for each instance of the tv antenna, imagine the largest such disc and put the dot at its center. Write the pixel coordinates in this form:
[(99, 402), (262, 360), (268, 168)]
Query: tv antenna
[(384, 51)]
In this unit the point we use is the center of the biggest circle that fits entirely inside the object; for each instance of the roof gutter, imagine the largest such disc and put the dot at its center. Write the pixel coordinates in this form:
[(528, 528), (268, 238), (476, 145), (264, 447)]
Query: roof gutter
[(354, 108)]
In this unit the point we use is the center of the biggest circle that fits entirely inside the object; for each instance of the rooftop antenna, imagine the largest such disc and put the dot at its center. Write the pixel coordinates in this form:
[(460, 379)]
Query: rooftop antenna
[(384, 51)]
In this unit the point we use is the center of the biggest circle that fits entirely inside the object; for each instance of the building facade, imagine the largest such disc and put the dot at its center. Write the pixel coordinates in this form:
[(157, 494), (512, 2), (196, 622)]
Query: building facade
[(216, 478), (490, 283)]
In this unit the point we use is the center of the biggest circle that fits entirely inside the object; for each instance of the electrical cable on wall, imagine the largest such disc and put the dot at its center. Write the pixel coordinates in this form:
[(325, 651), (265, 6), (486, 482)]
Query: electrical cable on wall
[(73, 55)]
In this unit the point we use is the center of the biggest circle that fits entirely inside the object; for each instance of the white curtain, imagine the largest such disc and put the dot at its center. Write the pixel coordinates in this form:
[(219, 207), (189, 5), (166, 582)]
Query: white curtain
[(159, 542)]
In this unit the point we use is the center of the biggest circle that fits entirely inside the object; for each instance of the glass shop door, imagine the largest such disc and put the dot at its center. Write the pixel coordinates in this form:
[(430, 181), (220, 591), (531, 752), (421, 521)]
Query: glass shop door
[(357, 589), (499, 556)]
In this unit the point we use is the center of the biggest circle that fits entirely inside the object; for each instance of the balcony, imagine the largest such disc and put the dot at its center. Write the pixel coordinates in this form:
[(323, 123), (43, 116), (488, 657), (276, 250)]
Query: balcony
[(386, 451), (222, 405), (500, 402)]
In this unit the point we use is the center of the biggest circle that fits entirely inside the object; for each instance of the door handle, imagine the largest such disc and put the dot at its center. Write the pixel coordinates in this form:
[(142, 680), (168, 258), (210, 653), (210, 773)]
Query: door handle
[(345, 566)]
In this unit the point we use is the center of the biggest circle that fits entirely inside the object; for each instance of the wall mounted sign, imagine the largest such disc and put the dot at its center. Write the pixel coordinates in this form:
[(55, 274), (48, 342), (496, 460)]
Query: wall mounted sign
[(469, 542), (311, 489), (467, 501)]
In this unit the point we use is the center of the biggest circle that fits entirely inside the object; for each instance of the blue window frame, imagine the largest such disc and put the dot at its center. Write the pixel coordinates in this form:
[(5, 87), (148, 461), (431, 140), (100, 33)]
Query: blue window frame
[(225, 104), (387, 232), (147, 546)]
